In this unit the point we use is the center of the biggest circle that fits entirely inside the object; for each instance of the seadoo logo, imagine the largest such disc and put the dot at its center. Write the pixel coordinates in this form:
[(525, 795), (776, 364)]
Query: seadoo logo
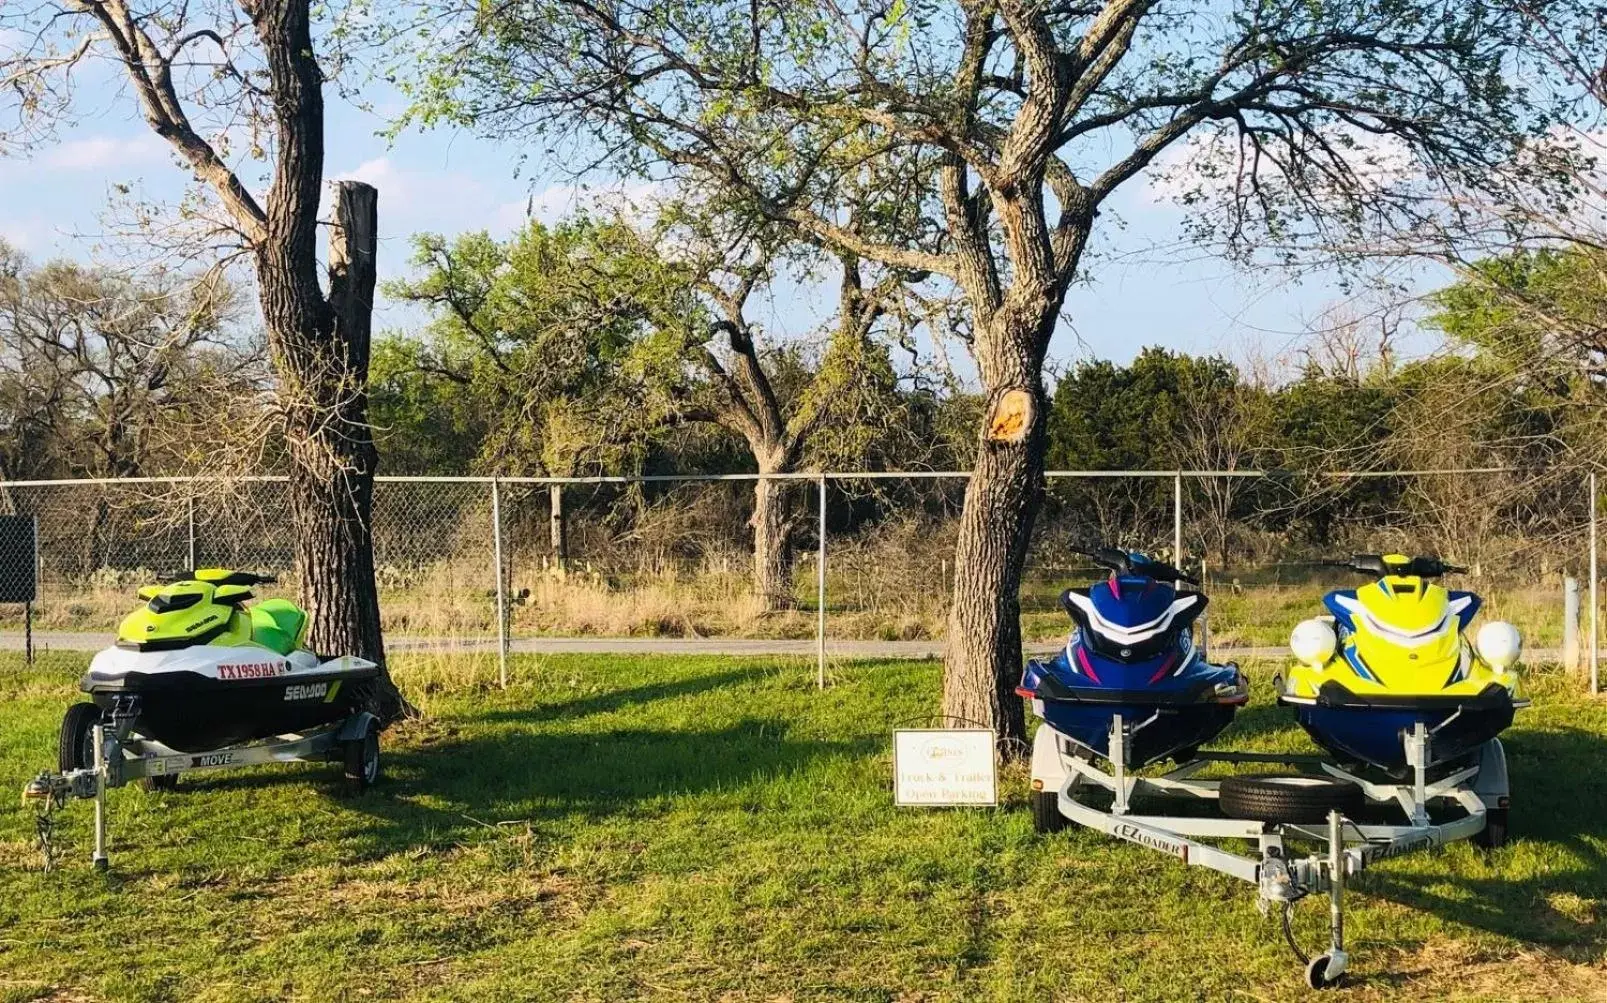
[(306, 691), (252, 670)]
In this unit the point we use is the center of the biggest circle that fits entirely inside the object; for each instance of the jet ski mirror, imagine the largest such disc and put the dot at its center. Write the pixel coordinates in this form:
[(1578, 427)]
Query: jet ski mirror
[(229, 595), (149, 592)]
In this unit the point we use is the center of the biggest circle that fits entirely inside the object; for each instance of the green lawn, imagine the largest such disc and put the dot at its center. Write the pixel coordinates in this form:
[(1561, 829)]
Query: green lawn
[(714, 829)]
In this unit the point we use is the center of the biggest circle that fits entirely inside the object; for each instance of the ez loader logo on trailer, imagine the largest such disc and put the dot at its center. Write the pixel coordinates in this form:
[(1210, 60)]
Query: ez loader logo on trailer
[(1155, 841), (1382, 851)]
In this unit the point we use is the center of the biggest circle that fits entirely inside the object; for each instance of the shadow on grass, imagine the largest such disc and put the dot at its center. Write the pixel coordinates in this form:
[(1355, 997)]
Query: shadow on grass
[(1261, 720), (546, 763), (1545, 886), (610, 701), (1557, 831), (440, 794)]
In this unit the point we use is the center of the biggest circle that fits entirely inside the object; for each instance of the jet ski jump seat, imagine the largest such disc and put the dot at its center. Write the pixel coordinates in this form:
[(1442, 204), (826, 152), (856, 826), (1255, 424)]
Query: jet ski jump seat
[(278, 625)]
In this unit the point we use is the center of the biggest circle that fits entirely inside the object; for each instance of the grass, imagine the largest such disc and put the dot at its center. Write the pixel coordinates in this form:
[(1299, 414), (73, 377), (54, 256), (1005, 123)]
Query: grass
[(716, 830)]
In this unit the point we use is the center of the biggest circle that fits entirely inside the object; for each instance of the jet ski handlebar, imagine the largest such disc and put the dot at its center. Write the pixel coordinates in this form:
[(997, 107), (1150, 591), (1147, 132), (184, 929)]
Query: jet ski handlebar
[(1379, 565), (231, 578), (1125, 563)]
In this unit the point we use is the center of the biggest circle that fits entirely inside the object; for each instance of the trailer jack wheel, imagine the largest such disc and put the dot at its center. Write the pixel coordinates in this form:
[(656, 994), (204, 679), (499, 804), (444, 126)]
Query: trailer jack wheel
[(1323, 973)]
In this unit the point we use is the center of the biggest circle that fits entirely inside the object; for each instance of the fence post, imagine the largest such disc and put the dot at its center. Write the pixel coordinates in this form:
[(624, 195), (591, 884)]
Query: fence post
[(558, 530), (1570, 624), (502, 587), (820, 592), (190, 515), (1595, 678), (1177, 520)]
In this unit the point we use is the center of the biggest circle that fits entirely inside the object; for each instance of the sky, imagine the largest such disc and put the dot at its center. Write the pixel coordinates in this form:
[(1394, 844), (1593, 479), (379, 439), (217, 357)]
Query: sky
[(1148, 291)]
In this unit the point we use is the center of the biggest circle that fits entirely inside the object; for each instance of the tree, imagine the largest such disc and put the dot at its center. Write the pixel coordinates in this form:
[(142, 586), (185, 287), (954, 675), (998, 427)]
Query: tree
[(557, 334), (251, 73), (1163, 411), (589, 317), (989, 134), (105, 374)]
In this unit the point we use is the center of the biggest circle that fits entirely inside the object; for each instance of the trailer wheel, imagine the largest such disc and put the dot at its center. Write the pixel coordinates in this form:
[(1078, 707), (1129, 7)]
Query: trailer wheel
[(362, 761), (1494, 834), (1317, 973), (1046, 817), (1288, 798), (76, 748)]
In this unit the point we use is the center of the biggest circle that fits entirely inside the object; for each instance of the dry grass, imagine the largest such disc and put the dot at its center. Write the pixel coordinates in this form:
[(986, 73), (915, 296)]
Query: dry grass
[(882, 595)]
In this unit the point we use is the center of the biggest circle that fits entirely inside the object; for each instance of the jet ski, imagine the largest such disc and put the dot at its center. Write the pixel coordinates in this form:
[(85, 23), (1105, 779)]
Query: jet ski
[(1396, 655), (1132, 655), (195, 668)]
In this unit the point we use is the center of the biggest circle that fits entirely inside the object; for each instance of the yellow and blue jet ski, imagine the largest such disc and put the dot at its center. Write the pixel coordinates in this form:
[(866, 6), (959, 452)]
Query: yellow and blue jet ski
[(1396, 654)]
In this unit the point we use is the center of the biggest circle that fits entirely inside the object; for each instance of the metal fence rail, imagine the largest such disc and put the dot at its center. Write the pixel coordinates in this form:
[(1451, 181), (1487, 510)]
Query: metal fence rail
[(475, 556)]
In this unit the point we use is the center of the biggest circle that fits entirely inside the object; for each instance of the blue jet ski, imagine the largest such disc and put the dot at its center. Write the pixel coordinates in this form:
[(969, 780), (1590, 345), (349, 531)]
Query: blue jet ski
[(1132, 654)]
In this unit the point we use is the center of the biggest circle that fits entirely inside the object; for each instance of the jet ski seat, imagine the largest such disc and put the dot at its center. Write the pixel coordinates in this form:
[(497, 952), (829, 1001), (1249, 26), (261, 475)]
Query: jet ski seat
[(278, 625)]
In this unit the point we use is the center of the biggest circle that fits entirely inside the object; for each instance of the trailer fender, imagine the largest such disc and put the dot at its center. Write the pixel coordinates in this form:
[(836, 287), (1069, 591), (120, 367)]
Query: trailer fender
[(1490, 783), (356, 727)]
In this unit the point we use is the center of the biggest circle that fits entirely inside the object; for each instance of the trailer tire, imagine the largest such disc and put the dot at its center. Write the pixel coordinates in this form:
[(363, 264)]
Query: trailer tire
[(361, 756), (76, 748), (1494, 834), (1046, 817), (1288, 798)]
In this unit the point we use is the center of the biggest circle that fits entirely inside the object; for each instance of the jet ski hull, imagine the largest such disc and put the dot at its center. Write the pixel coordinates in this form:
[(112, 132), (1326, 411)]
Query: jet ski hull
[(197, 714), (1170, 729), (203, 698), (1372, 731), (1164, 711)]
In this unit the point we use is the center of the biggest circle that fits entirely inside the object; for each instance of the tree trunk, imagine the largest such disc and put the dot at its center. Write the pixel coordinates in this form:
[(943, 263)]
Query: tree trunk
[(983, 650), (321, 357), (772, 543)]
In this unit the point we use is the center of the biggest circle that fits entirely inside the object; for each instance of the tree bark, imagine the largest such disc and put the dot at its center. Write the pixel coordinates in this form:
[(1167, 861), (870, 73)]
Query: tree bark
[(772, 544), (982, 659), (321, 353)]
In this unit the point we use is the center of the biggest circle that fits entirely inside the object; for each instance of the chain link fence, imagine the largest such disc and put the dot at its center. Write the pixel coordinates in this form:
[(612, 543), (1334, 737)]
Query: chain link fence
[(674, 556)]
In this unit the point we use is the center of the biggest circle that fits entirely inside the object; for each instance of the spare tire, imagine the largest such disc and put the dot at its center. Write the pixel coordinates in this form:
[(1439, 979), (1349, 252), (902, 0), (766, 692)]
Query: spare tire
[(1288, 797)]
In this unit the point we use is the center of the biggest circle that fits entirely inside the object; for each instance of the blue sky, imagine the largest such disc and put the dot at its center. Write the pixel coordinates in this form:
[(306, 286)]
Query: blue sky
[(55, 202)]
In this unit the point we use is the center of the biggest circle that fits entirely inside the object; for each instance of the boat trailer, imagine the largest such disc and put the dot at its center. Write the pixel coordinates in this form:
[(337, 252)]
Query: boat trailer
[(121, 757), (1345, 846)]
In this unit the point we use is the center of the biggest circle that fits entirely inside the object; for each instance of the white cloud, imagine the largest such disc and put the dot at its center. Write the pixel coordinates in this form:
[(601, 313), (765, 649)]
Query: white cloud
[(23, 234), (636, 200), (413, 200), (382, 173), (99, 153), (1207, 163)]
